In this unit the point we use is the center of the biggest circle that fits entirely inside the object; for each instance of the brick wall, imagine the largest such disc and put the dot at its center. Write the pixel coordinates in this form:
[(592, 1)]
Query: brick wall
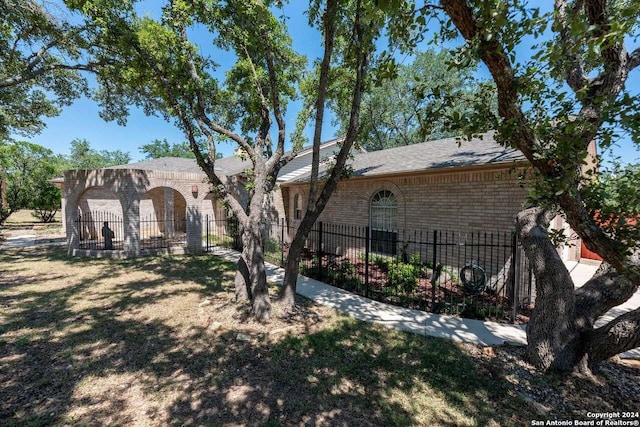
[(473, 200)]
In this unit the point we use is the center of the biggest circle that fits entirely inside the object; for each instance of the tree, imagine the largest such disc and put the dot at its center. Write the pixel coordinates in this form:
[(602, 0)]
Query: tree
[(343, 76), (161, 148), (84, 157), (158, 67), (420, 103), (41, 54), (28, 168), (570, 90)]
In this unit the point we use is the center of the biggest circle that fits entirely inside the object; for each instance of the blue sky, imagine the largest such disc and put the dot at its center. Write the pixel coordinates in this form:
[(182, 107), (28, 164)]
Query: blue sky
[(81, 120)]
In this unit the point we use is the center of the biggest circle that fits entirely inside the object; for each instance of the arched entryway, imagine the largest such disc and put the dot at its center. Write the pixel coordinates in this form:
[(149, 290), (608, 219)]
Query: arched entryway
[(163, 218), (98, 219)]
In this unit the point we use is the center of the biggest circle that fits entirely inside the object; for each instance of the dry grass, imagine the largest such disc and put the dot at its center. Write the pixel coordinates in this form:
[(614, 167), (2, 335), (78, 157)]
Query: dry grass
[(26, 216), (159, 341)]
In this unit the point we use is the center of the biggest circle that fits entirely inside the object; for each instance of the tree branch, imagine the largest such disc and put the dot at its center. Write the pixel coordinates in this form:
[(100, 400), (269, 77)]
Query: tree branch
[(17, 80), (634, 59), (619, 335), (576, 77), (328, 22), (605, 290)]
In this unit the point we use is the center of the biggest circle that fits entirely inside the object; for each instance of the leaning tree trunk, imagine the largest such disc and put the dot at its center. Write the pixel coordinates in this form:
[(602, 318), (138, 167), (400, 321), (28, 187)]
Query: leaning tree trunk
[(291, 270), (561, 334), (553, 339)]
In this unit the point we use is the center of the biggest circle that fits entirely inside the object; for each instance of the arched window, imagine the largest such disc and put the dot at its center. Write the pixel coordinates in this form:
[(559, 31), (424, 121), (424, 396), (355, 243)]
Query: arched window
[(297, 212), (383, 221)]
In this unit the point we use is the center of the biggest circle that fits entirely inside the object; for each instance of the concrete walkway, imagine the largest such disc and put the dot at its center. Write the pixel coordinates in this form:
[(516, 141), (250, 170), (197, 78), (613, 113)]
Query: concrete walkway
[(419, 322), (25, 240)]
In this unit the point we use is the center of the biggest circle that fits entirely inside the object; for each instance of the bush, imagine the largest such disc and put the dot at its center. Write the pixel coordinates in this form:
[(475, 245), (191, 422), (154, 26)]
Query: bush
[(345, 276), (403, 277), (272, 249)]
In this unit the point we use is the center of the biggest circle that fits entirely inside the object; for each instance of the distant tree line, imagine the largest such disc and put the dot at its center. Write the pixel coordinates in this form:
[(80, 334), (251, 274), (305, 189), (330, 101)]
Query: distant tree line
[(26, 171)]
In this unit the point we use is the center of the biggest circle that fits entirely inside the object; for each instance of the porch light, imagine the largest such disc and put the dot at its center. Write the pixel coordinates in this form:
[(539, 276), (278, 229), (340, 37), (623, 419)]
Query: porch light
[(194, 190)]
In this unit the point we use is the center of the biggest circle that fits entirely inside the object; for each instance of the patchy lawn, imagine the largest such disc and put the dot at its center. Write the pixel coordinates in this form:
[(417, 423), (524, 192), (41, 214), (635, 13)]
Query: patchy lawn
[(157, 341)]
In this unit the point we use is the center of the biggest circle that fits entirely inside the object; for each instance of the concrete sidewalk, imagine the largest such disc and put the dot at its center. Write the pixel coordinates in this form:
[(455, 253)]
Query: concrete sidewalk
[(25, 240), (419, 322)]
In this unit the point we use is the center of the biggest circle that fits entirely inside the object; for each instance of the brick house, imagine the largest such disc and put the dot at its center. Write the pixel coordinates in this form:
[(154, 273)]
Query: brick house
[(470, 186), (155, 199), (440, 184)]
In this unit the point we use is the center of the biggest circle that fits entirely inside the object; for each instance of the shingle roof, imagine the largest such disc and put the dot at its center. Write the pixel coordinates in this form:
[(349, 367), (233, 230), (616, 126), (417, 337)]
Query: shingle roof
[(229, 165), (430, 155), (438, 154)]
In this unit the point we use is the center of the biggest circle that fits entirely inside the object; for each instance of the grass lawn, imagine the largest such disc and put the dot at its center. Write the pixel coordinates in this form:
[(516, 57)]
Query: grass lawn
[(159, 341)]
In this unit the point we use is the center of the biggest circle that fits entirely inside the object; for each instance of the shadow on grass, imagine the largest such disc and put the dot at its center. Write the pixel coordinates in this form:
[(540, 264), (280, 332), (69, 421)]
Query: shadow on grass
[(351, 374), (81, 353)]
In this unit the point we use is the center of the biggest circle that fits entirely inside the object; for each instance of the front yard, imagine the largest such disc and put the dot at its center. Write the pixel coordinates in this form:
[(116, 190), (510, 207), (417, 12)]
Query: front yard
[(157, 341)]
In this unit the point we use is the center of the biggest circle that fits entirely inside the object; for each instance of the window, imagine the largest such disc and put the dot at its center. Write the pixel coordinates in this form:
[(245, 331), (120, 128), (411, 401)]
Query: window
[(383, 222), (297, 212)]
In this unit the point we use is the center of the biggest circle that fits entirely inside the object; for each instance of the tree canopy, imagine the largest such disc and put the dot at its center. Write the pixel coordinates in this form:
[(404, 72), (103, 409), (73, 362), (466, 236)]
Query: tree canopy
[(562, 80), (162, 148), (424, 102), (41, 54), (27, 169), (84, 157)]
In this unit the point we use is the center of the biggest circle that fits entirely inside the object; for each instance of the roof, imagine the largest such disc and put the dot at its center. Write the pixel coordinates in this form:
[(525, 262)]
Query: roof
[(443, 153), (229, 165)]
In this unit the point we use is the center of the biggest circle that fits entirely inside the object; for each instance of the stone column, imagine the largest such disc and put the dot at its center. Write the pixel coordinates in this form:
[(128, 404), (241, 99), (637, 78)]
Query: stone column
[(194, 229), (169, 213), (132, 226)]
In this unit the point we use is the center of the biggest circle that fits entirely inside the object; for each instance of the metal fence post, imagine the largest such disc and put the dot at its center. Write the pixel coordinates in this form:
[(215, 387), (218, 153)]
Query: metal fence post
[(320, 248), (281, 242), (514, 276), (434, 279), (206, 218), (366, 262)]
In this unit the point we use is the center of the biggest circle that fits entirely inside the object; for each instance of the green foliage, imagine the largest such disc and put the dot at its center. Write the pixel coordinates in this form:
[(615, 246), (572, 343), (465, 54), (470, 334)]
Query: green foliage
[(614, 200), (273, 249), (345, 276), (84, 157), (41, 52), (27, 169), (161, 148), (403, 277), (431, 98), (342, 274)]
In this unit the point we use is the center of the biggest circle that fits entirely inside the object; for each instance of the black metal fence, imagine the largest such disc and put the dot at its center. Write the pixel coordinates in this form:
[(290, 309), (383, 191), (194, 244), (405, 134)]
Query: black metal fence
[(469, 274), (105, 231), (100, 231), (159, 233)]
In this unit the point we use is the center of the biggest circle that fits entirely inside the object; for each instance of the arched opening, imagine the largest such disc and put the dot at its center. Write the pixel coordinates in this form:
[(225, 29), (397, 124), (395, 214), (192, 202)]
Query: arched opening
[(383, 221), (99, 219), (163, 218)]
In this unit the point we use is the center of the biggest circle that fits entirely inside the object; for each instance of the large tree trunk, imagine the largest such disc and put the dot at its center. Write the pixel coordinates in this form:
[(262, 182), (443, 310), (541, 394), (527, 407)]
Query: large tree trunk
[(560, 333), (553, 340), (251, 276)]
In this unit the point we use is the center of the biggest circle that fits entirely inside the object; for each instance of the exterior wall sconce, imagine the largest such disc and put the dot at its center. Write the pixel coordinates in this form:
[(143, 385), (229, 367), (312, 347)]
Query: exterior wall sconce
[(194, 191)]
